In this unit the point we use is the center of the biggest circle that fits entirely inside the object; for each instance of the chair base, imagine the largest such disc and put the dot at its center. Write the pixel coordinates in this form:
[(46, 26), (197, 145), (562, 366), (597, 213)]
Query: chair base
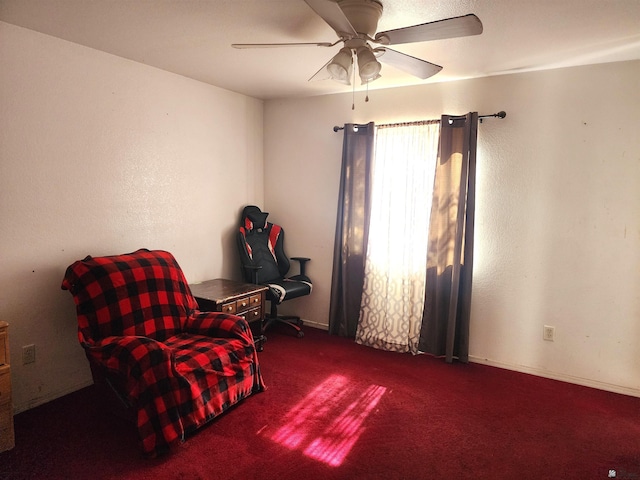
[(291, 320), (259, 341)]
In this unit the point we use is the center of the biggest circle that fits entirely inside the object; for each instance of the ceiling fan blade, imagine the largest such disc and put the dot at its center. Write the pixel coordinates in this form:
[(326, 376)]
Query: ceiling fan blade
[(415, 66), (322, 74), (333, 15), (447, 28), (276, 45)]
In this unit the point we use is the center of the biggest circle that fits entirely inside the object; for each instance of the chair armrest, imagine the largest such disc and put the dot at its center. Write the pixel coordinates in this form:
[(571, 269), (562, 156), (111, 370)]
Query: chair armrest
[(253, 270), (151, 384), (130, 356), (303, 262), (218, 325)]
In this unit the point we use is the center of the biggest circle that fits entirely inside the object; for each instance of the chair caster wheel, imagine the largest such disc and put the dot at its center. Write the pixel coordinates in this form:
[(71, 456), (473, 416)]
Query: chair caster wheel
[(300, 334)]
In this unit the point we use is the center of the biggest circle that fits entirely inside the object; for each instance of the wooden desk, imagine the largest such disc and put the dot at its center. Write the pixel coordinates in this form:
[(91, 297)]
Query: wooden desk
[(228, 296)]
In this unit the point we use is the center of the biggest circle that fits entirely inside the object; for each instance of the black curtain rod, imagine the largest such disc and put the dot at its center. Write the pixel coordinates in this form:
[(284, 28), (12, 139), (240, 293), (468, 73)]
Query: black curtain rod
[(500, 114)]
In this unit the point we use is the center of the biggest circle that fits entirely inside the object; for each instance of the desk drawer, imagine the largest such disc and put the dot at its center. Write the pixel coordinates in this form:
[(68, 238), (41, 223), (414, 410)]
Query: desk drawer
[(255, 300), (5, 384), (4, 347), (243, 305), (228, 307), (252, 315), (246, 303), (7, 438), (6, 416)]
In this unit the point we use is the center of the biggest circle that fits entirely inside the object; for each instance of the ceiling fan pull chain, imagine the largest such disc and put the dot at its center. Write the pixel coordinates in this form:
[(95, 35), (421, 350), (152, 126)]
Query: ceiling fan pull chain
[(353, 91), (366, 99)]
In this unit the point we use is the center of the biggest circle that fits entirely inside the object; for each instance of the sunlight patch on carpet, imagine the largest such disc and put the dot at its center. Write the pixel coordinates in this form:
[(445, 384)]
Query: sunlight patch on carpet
[(327, 423)]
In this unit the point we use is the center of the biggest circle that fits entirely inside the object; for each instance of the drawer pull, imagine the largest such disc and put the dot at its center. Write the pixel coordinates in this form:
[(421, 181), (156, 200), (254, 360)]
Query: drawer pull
[(229, 309), (244, 304)]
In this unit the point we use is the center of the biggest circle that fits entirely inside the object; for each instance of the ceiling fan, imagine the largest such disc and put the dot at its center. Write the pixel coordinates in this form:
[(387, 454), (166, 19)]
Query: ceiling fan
[(356, 21)]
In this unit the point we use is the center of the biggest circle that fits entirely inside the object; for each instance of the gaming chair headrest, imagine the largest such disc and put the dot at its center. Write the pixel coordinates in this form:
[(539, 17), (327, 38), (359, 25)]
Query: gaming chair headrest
[(253, 218)]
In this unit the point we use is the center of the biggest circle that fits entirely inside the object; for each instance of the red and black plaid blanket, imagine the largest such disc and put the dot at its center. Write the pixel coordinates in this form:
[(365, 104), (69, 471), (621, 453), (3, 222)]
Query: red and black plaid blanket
[(180, 367)]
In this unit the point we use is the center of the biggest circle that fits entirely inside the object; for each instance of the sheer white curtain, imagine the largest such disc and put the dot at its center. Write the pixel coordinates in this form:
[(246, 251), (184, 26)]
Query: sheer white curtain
[(396, 261)]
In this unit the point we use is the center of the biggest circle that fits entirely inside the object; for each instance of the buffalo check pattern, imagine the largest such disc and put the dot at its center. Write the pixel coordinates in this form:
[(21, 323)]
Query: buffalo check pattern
[(139, 323)]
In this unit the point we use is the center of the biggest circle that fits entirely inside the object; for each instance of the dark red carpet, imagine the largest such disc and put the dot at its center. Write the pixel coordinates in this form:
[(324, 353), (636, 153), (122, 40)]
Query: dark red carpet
[(337, 410)]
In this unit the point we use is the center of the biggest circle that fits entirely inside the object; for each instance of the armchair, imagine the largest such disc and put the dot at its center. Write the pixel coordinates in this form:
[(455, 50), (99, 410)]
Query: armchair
[(264, 262), (173, 366)]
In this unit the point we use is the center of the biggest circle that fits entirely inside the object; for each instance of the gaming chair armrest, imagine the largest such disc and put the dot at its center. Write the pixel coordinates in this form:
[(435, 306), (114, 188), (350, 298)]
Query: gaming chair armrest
[(253, 270), (303, 262)]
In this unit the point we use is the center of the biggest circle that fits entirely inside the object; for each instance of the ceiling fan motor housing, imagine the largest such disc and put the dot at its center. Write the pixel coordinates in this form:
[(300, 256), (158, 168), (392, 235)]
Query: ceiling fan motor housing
[(362, 14)]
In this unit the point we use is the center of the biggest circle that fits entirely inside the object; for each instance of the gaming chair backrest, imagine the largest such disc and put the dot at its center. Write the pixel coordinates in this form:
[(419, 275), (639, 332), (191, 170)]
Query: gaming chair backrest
[(261, 243)]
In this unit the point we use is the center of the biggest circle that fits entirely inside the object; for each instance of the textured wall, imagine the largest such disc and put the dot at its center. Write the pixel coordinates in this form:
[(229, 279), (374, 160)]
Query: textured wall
[(558, 210), (101, 155)]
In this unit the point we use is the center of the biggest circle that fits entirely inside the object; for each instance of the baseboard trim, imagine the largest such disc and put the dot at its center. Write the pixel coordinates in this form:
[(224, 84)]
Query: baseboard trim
[(585, 382), (320, 326), (18, 408)]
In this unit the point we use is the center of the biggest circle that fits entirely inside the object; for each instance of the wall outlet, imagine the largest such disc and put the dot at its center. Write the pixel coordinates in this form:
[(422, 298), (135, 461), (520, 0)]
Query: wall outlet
[(548, 333), (28, 354)]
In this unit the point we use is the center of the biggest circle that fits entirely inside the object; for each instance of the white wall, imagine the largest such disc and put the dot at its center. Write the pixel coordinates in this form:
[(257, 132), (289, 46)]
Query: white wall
[(558, 210), (100, 155)]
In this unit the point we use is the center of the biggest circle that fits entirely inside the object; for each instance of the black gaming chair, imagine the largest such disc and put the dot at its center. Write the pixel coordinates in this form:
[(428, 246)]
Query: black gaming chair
[(264, 262)]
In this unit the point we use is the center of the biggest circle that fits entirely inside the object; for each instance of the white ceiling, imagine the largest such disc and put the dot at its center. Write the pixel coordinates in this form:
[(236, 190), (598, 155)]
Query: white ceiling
[(193, 37)]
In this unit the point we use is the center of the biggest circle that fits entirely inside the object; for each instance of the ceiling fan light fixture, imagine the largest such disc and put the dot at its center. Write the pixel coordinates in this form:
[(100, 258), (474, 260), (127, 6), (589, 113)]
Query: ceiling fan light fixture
[(364, 82), (340, 66), (368, 67)]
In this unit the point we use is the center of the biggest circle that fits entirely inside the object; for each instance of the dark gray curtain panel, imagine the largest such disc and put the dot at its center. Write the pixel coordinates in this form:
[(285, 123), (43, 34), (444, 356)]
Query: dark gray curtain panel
[(352, 227), (445, 325)]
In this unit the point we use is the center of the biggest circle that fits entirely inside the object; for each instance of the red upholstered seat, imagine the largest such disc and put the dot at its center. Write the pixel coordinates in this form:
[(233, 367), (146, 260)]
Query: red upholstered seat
[(174, 366)]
